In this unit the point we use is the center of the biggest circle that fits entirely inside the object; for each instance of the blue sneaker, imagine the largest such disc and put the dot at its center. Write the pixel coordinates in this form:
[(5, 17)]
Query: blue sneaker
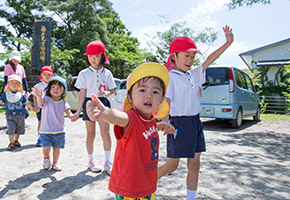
[(38, 143)]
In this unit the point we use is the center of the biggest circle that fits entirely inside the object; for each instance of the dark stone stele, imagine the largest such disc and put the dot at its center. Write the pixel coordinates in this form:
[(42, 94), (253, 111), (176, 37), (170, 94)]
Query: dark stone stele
[(40, 52)]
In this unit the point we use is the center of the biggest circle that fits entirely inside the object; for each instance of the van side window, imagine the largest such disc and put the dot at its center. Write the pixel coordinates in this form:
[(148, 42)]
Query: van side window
[(249, 83), (240, 78)]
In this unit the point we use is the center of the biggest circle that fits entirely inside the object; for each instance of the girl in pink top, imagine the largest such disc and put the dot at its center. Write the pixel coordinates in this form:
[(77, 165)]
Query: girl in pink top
[(14, 67)]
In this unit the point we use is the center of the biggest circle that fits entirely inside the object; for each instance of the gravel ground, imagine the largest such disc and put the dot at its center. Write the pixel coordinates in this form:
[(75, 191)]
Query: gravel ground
[(252, 162)]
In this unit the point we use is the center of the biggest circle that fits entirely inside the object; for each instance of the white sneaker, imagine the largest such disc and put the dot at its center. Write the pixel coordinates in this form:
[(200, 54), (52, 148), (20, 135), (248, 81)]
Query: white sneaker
[(56, 167), (93, 166), (46, 164), (108, 167)]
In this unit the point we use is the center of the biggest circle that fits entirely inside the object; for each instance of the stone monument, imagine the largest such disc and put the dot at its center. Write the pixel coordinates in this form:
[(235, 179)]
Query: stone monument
[(40, 52)]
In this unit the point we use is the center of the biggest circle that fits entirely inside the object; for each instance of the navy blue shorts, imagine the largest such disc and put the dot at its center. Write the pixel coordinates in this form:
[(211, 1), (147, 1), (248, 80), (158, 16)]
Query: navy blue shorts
[(189, 138), (39, 115), (104, 100)]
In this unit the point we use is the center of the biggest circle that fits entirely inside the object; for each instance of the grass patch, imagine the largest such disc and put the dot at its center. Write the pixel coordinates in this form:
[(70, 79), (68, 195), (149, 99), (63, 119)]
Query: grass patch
[(274, 117)]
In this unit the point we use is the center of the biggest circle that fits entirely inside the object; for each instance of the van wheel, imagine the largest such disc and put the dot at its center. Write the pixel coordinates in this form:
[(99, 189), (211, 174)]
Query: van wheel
[(257, 117), (236, 123)]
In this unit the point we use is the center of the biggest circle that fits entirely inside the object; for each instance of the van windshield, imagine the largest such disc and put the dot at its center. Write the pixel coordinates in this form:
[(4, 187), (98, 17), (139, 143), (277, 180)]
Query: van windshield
[(217, 76)]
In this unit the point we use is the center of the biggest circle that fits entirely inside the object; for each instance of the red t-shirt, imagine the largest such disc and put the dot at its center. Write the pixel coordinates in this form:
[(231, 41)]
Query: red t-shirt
[(134, 172)]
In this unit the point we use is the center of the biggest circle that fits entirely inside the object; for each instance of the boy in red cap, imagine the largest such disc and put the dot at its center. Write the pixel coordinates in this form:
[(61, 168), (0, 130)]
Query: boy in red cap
[(46, 74), (15, 102), (98, 80), (183, 95), (134, 175)]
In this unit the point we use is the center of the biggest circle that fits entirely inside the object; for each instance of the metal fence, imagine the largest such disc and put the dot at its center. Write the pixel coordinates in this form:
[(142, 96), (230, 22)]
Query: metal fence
[(276, 104)]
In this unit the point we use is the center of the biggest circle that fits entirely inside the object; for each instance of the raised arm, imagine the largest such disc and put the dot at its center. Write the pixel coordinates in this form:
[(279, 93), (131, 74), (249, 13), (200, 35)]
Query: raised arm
[(213, 56), (96, 110), (38, 94)]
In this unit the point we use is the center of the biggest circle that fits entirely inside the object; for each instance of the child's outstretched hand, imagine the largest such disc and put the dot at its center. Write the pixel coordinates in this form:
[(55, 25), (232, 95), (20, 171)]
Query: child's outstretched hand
[(228, 34), (166, 128), (103, 93), (95, 108), (36, 92)]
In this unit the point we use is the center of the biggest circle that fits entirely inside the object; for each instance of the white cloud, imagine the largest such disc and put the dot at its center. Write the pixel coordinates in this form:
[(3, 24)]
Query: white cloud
[(231, 55), (200, 15), (143, 14), (135, 3), (141, 33)]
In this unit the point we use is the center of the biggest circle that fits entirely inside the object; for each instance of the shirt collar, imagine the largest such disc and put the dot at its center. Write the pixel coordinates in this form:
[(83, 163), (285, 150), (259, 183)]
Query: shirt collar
[(95, 70), (178, 72)]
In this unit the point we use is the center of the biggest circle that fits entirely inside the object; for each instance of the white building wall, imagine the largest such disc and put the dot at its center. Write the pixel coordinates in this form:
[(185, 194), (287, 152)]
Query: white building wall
[(278, 52)]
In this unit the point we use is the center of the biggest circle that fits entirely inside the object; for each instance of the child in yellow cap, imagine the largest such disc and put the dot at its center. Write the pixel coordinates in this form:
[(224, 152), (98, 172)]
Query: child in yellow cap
[(15, 102), (134, 173)]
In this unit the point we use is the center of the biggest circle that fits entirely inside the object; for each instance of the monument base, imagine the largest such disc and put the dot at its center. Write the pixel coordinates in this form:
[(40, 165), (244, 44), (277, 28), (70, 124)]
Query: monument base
[(32, 76)]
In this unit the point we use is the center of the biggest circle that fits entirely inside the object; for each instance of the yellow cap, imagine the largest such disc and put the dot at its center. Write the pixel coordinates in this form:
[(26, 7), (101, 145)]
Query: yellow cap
[(147, 70)]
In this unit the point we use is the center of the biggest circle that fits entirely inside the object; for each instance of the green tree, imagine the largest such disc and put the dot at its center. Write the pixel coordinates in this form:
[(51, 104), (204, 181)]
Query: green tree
[(60, 59), (20, 16), (159, 44), (286, 82), (76, 23), (125, 55), (79, 24), (239, 3)]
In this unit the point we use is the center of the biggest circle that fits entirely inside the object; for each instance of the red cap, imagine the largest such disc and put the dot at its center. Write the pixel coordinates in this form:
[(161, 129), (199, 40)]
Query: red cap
[(180, 44), (96, 48), (46, 69)]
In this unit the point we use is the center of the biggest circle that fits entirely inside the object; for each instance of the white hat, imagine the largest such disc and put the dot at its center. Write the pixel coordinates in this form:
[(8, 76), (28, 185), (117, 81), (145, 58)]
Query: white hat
[(15, 55)]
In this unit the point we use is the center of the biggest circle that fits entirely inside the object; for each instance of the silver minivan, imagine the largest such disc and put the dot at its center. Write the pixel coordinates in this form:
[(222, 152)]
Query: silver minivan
[(229, 93)]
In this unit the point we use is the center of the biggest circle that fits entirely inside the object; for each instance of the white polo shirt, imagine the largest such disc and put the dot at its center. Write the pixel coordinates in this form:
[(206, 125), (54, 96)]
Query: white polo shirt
[(95, 80), (41, 86), (184, 91)]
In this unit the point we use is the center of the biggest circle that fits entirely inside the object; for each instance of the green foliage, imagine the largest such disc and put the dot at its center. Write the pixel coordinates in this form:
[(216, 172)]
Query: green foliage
[(124, 55), (1, 86), (286, 83), (263, 104), (256, 78), (24, 50), (160, 43), (60, 59), (270, 87), (75, 24), (20, 18), (239, 3), (79, 24)]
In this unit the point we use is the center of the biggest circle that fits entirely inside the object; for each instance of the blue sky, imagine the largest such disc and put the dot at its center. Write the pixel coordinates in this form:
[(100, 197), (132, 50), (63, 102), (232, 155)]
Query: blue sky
[(253, 27)]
